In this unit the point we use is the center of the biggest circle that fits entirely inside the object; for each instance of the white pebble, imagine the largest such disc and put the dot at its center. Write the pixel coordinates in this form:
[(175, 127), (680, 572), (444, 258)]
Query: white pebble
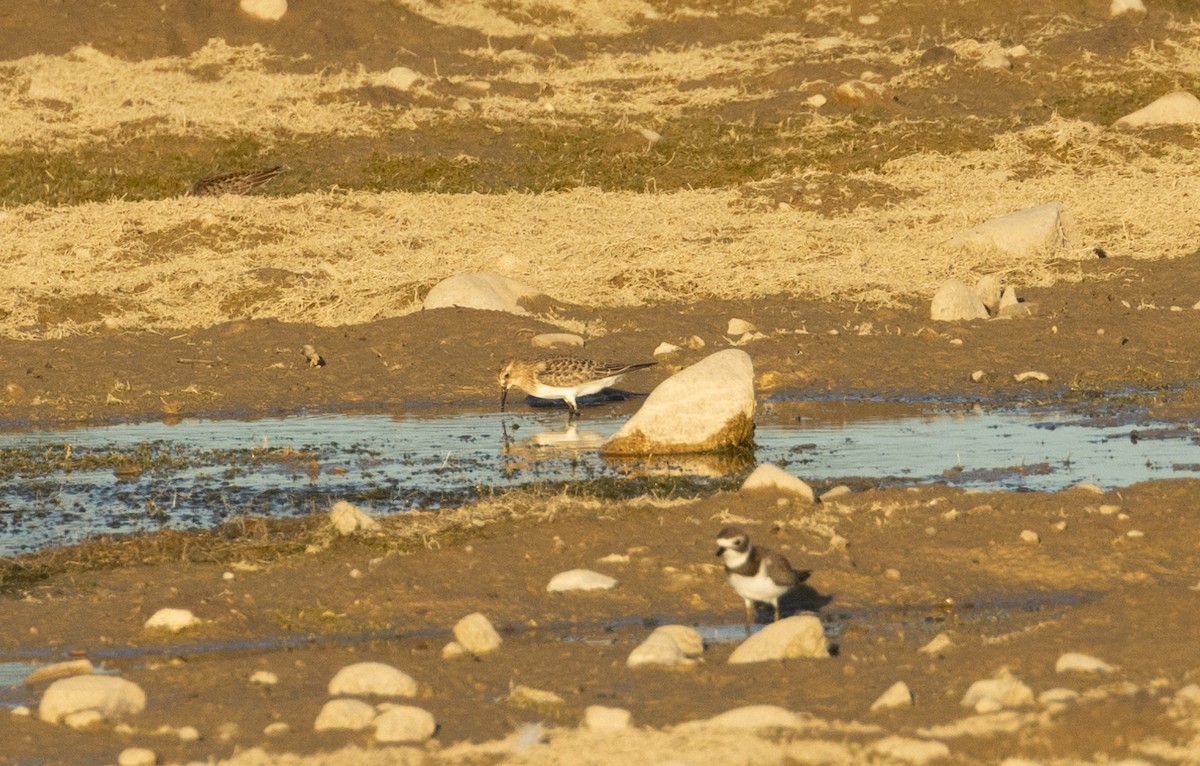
[(580, 579), (404, 723), (476, 634), (137, 756), (188, 734), (372, 678), (264, 678), (898, 695), (1029, 536), (1081, 663), (351, 714), (665, 348), (1021, 377), (173, 620), (600, 718), (277, 729), (739, 327), (264, 10)]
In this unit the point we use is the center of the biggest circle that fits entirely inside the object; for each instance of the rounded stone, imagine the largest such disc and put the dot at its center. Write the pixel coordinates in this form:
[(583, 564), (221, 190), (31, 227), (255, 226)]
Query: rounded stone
[(172, 620), (351, 714), (800, 636), (110, 696), (137, 756), (770, 476), (404, 723), (372, 678), (476, 634), (264, 10), (954, 301), (601, 718), (657, 649), (348, 518), (580, 579), (489, 292)]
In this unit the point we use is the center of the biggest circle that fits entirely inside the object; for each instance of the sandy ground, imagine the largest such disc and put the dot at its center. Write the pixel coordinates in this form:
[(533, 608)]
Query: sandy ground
[(1015, 580)]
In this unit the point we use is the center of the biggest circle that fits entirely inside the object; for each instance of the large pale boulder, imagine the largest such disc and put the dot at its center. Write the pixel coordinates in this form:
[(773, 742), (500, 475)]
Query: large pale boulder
[(109, 696), (490, 292), (954, 301), (372, 678), (705, 407), (1178, 108), (792, 637), (1024, 232)]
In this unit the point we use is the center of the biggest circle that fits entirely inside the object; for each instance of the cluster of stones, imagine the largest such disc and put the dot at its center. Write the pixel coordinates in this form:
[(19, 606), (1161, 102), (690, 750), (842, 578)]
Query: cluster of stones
[(389, 721)]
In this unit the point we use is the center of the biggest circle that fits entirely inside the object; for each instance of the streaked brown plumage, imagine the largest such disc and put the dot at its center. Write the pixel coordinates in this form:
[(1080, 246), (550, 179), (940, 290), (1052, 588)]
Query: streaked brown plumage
[(561, 377), (234, 182)]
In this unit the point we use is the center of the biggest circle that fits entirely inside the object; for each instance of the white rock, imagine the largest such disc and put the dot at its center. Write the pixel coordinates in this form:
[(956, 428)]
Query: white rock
[(188, 734), (110, 696), (1178, 108), (704, 407), (915, 751), (137, 756), (753, 717), (835, 492), (954, 301), (81, 667), (665, 348), (351, 714), (453, 651), (687, 639), (816, 101), (987, 288), (348, 518), (489, 292), (557, 340), (1087, 486), (770, 476), (527, 696), (1008, 298), (898, 695), (172, 620), (264, 10), (83, 719), (939, 645), (400, 78), (739, 327), (277, 729), (1004, 689), (22, 711), (264, 678), (1121, 7), (657, 649), (792, 637), (404, 723), (477, 635), (580, 579), (995, 59), (1057, 696), (600, 718), (1029, 536), (1041, 377), (1081, 663), (372, 678), (1024, 232)]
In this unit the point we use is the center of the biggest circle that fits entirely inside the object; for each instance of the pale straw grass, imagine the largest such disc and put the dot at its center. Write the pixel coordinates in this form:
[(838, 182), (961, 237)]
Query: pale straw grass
[(356, 257)]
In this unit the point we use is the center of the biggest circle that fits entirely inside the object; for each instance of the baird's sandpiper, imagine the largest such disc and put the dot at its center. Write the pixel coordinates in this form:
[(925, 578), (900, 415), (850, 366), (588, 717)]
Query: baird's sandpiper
[(561, 377)]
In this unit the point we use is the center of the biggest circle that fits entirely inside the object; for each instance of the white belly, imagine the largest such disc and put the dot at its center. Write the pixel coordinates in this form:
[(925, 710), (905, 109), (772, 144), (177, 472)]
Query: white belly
[(543, 391), (757, 588)]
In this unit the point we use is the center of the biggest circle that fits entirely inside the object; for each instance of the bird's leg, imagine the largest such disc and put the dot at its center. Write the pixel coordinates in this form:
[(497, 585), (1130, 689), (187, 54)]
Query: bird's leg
[(776, 603), (574, 413), (749, 614)]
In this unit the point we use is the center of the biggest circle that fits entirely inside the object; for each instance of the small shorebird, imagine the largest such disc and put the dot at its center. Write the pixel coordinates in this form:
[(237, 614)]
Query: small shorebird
[(234, 182), (561, 377), (756, 573)]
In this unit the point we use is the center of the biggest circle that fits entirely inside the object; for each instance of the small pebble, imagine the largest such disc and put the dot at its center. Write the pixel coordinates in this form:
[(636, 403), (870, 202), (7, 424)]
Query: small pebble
[(137, 756), (1029, 536)]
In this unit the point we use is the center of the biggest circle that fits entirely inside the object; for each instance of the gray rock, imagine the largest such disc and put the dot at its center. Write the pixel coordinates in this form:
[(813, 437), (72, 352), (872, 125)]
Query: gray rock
[(580, 579), (1178, 108), (800, 636), (351, 714), (109, 696), (954, 301), (705, 407), (404, 723), (372, 678), (489, 292), (770, 476), (476, 634)]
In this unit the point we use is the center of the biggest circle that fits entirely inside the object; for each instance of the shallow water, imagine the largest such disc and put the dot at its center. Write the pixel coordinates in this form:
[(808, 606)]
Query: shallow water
[(59, 487)]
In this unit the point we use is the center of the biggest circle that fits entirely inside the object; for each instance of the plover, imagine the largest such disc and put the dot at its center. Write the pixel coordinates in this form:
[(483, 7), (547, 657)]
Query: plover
[(756, 573), (561, 377), (234, 182)]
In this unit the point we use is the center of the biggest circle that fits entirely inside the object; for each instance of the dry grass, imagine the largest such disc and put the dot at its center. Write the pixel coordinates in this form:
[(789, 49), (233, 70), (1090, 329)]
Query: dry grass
[(355, 257)]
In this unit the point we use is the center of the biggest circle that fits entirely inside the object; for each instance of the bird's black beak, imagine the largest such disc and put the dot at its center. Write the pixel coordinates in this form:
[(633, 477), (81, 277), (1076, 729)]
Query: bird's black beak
[(503, 397), (720, 550)]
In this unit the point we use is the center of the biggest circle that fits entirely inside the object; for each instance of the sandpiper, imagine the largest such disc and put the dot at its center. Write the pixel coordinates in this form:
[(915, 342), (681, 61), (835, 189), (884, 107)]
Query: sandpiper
[(561, 377), (756, 573), (234, 182)]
